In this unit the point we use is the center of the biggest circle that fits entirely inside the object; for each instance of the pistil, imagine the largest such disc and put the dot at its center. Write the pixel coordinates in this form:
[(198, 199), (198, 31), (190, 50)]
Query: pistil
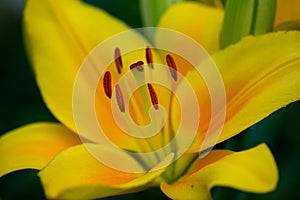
[(139, 75)]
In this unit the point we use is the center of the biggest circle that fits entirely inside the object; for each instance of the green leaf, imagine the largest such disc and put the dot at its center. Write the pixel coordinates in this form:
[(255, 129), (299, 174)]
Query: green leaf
[(263, 17), (246, 17)]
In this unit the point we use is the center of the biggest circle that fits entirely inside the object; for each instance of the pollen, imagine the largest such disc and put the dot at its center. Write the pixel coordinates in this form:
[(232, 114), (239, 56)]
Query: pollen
[(149, 57), (153, 96), (118, 60), (120, 99), (172, 66), (107, 84)]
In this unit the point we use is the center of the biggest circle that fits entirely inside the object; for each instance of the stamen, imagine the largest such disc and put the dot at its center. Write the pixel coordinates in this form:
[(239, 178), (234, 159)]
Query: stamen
[(118, 60), (138, 65), (107, 84), (132, 66), (172, 66), (149, 57), (120, 99), (153, 96)]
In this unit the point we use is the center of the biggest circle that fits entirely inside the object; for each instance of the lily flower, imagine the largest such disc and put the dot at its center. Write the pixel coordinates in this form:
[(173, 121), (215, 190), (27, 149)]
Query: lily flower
[(260, 74)]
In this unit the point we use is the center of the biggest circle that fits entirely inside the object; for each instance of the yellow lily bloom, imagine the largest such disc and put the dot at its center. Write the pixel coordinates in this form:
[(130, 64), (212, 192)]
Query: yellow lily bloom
[(260, 74)]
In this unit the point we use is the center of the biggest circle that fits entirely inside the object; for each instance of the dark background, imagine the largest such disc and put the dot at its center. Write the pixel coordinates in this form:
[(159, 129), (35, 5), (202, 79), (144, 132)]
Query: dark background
[(21, 103)]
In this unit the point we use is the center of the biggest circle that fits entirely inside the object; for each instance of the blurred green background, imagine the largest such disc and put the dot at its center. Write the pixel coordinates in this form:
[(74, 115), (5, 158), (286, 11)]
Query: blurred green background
[(21, 103)]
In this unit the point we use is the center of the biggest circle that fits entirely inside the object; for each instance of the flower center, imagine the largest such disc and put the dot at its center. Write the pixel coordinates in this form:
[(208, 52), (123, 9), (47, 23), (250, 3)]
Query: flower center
[(144, 106), (136, 68)]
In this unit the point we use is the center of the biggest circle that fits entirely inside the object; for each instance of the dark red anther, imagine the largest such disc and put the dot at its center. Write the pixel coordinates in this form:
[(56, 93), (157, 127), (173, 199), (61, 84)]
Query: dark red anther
[(153, 96), (107, 84), (120, 99), (172, 66), (138, 66), (149, 57), (118, 60), (132, 66)]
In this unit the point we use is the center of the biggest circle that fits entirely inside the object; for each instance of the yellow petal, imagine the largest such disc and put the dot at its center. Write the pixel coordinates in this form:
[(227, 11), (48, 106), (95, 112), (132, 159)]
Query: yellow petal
[(260, 74), (253, 170), (59, 35), (33, 146), (202, 23), (76, 174), (287, 10)]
